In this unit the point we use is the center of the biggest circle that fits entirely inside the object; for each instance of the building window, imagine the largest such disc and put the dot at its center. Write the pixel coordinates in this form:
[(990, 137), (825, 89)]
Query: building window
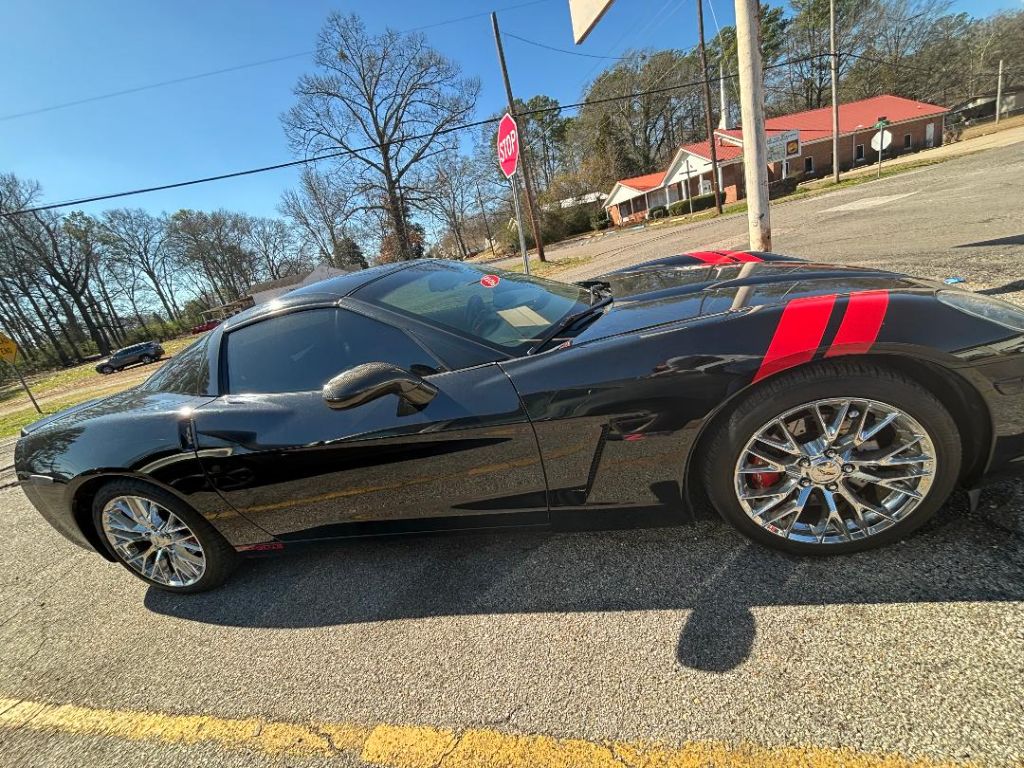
[(859, 152), (907, 141), (785, 168), (808, 164)]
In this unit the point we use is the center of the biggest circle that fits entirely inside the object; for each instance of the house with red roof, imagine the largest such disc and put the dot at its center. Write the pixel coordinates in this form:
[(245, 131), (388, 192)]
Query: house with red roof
[(629, 201), (914, 125), (689, 173)]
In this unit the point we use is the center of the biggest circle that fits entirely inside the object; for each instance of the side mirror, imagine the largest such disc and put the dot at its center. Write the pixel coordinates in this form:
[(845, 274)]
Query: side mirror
[(370, 381)]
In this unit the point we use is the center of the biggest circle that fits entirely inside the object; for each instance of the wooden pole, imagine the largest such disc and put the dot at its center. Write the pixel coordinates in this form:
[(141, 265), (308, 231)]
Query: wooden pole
[(834, 61), (755, 149), (707, 107), (531, 199)]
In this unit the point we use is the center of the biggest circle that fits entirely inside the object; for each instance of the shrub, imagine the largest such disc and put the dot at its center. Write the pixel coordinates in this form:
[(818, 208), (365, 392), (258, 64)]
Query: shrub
[(555, 225), (783, 187), (600, 220), (700, 202), (658, 212)]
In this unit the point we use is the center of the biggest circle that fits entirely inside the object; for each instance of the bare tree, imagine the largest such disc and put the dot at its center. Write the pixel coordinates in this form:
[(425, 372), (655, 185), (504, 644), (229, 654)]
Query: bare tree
[(387, 99), (325, 209), (450, 195), (137, 238), (63, 259), (277, 247), (214, 244)]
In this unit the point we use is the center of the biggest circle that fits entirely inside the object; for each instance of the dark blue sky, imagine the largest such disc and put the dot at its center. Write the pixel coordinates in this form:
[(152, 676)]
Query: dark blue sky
[(64, 50)]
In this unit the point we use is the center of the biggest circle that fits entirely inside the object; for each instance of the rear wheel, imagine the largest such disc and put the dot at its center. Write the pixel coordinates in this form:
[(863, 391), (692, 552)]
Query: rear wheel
[(161, 539), (146, 359), (833, 458), (106, 369)]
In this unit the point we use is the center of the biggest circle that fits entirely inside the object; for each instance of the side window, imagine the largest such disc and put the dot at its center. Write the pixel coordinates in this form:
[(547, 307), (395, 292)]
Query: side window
[(301, 351)]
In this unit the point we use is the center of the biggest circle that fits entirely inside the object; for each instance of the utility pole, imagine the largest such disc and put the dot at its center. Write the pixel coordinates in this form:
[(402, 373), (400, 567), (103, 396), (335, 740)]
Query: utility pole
[(483, 212), (723, 104), (531, 199), (707, 107), (834, 61), (999, 90), (755, 149)]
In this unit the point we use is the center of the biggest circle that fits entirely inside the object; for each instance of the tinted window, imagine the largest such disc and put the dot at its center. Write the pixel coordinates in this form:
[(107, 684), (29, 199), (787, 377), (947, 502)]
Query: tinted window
[(504, 309), (187, 373), (301, 351)]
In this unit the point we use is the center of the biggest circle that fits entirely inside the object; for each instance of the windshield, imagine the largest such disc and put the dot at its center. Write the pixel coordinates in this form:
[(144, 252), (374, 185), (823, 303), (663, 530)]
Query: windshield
[(503, 309), (187, 373)]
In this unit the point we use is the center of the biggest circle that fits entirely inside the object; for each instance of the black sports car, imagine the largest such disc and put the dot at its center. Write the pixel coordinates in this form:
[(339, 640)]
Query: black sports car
[(820, 409)]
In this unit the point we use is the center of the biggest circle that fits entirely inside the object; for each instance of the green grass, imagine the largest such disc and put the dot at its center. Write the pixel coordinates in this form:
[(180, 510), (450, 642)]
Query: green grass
[(546, 268), (42, 384), (11, 423)]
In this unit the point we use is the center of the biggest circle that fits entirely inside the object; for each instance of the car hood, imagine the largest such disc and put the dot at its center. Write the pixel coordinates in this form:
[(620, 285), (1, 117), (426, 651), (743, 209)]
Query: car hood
[(655, 295), (126, 404)]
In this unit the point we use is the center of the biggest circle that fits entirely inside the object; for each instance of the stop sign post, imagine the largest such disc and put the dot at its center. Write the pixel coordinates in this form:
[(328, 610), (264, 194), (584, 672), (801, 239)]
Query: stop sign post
[(508, 158), (881, 140)]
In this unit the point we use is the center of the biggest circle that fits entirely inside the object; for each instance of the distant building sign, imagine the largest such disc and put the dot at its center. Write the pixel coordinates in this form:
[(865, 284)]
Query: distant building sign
[(784, 145)]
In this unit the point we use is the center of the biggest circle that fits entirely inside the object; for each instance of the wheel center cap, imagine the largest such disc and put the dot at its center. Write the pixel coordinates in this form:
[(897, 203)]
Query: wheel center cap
[(825, 472)]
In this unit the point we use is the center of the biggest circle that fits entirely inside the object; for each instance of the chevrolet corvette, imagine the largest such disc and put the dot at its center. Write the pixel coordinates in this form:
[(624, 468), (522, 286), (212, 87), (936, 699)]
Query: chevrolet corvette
[(819, 409)]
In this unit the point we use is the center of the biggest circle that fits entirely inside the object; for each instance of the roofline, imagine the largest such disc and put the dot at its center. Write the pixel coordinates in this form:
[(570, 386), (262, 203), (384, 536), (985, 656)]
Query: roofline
[(939, 111)]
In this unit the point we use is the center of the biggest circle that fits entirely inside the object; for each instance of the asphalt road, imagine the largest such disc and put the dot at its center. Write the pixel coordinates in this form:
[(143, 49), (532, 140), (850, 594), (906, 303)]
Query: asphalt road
[(683, 636)]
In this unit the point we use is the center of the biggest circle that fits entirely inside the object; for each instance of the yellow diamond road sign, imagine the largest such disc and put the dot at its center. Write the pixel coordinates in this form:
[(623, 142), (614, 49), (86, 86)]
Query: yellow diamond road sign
[(8, 349)]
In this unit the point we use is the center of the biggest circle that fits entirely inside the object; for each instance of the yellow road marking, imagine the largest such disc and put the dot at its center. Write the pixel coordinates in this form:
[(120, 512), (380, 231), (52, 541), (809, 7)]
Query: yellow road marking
[(411, 746)]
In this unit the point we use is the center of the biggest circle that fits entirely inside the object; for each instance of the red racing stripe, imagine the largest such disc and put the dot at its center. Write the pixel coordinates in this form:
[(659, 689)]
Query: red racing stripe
[(865, 313), (798, 334), (742, 256), (710, 257), (723, 257)]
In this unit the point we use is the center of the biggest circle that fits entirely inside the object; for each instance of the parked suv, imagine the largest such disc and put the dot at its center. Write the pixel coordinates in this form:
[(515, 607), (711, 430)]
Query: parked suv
[(146, 352)]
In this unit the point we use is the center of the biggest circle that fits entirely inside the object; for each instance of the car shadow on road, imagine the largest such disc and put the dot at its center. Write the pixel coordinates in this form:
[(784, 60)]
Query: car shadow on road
[(700, 566)]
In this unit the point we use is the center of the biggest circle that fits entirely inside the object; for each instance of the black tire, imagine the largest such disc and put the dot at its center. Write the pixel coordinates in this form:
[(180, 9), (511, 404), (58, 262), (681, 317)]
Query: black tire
[(821, 381), (221, 558), (106, 370), (146, 359)]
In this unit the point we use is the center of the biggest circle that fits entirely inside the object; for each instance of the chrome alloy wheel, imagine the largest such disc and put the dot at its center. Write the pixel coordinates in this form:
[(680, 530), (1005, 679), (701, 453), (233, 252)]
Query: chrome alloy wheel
[(153, 541), (836, 470)]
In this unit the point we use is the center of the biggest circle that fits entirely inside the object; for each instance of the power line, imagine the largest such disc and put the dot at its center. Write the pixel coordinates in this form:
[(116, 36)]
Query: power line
[(151, 86), (368, 147), (573, 53), (235, 68)]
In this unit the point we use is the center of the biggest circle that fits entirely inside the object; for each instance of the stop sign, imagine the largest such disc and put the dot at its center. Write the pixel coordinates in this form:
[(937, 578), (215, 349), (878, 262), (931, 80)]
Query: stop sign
[(508, 145)]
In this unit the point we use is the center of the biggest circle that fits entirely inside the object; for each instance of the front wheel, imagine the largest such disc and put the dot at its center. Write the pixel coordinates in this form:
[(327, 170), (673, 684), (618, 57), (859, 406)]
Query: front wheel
[(834, 458), (161, 539), (146, 359), (106, 370)]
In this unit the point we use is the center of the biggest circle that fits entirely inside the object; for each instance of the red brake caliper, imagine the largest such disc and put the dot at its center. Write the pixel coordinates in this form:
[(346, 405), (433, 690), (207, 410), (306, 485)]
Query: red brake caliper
[(763, 479)]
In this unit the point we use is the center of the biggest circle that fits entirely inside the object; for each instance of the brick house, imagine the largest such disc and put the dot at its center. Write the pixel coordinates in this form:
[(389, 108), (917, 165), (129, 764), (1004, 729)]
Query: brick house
[(689, 173), (914, 125), (629, 201)]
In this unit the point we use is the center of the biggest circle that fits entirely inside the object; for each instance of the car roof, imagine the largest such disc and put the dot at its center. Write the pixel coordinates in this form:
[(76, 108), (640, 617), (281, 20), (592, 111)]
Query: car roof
[(322, 292)]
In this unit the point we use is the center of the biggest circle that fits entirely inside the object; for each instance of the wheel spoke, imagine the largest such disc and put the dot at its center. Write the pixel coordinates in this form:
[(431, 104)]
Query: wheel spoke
[(769, 462), (866, 434), (790, 447), (832, 518), (832, 430)]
